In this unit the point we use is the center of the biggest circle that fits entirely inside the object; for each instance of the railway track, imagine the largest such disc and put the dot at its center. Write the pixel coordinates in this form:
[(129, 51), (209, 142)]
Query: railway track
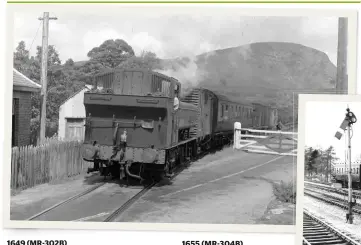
[(315, 231), (117, 213), (344, 197), (332, 200), (66, 201), (356, 194)]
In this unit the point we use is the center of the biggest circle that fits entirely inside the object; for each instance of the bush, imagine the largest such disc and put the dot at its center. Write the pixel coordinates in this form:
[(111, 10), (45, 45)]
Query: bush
[(285, 192)]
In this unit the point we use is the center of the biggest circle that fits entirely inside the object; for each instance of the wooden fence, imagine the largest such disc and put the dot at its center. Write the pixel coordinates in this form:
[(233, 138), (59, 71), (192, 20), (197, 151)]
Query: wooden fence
[(54, 160)]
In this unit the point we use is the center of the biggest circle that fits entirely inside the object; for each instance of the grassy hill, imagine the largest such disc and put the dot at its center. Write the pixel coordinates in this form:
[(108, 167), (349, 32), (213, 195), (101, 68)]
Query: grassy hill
[(271, 72)]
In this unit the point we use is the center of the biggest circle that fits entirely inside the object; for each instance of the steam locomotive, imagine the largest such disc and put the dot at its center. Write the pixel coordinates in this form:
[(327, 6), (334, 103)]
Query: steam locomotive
[(138, 126), (340, 174)]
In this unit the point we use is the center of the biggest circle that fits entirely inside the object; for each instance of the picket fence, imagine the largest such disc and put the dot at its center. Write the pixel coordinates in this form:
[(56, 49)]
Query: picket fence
[(54, 160)]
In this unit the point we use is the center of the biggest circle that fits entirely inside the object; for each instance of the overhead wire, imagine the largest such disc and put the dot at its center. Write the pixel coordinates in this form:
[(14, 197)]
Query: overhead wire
[(36, 34)]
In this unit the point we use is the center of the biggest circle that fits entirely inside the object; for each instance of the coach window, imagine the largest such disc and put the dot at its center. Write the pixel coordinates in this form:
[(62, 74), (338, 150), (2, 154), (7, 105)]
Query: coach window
[(356, 170)]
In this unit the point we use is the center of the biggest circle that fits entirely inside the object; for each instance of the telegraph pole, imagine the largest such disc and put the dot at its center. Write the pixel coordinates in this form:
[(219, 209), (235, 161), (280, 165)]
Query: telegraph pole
[(342, 77), (44, 73)]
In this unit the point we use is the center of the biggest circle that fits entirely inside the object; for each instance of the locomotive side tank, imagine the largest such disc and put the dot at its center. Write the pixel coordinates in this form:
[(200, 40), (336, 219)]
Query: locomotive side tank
[(206, 102), (135, 116)]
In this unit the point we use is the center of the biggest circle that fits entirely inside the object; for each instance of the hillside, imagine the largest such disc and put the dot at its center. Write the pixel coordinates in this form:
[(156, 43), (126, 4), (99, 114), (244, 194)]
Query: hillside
[(262, 72)]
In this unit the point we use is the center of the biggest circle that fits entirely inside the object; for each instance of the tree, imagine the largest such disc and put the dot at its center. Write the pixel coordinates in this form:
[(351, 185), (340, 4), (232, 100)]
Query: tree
[(21, 57), (111, 53), (53, 56), (329, 158), (69, 62), (147, 60), (311, 160), (319, 161)]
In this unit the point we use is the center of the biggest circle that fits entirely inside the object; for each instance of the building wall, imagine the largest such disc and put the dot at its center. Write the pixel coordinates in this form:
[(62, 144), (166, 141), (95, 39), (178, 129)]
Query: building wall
[(22, 112), (72, 108)]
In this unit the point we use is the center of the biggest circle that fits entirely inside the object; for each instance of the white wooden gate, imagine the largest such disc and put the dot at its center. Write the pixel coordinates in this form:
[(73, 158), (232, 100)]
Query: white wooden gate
[(265, 141)]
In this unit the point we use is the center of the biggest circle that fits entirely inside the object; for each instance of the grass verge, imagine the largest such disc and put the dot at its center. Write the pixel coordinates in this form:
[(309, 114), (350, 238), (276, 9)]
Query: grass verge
[(285, 191)]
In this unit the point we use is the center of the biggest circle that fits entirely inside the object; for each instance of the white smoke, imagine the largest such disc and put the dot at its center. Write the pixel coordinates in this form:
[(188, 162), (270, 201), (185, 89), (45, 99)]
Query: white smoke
[(186, 72)]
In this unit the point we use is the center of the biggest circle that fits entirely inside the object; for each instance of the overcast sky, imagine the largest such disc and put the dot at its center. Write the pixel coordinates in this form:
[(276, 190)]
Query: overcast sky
[(323, 120), (172, 35)]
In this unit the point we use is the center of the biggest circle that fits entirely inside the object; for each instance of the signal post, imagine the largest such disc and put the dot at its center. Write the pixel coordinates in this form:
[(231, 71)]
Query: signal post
[(347, 123)]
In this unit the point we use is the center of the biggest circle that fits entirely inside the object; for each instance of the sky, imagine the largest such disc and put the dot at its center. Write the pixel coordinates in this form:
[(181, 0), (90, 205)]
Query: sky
[(171, 34), (323, 120)]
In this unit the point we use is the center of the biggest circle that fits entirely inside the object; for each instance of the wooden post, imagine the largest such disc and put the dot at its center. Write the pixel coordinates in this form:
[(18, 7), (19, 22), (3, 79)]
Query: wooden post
[(341, 77), (44, 73)]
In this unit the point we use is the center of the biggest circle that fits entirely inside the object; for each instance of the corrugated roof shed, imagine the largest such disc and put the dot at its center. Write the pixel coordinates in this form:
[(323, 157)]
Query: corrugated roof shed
[(21, 82)]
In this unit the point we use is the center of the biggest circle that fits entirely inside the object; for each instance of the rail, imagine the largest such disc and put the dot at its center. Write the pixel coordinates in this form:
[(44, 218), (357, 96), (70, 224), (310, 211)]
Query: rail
[(325, 228)]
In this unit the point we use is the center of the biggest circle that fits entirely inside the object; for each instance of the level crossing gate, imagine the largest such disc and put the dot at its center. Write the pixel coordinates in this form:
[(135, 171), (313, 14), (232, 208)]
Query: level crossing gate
[(265, 141)]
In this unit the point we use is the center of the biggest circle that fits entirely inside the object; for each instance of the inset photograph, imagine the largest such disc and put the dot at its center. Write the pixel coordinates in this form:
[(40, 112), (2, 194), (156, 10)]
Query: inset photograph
[(332, 169)]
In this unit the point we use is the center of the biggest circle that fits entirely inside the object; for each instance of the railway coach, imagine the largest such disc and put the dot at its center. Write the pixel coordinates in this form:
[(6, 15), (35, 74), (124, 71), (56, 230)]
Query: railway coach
[(340, 174), (216, 118), (264, 117)]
